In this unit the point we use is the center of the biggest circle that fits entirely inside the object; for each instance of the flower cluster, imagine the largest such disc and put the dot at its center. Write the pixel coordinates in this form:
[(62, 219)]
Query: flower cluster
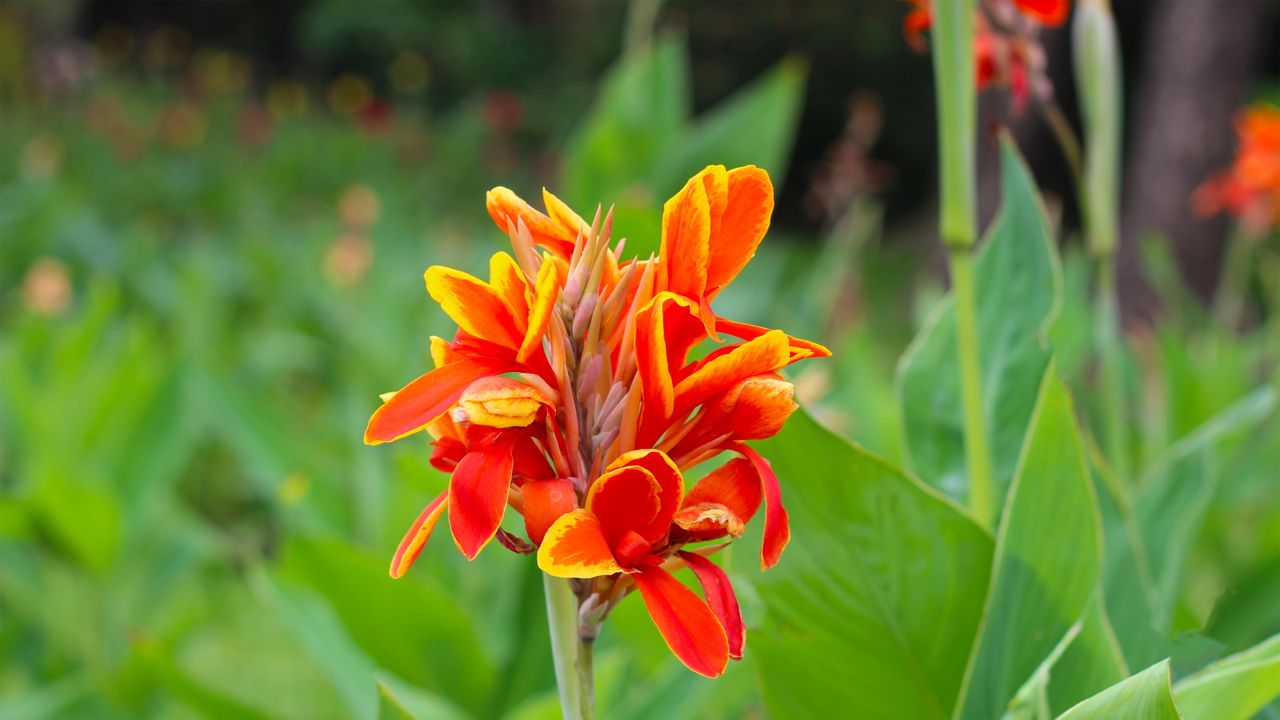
[(1006, 47), (571, 393), (1250, 188)]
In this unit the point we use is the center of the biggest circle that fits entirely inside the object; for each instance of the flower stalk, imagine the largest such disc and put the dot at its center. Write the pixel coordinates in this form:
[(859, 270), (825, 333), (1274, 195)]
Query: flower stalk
[(1097, 61), (571, 652), (957, 120)]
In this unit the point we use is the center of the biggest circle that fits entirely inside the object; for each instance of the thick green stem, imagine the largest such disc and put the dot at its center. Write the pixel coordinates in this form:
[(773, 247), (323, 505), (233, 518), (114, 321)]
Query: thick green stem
[(570, 652), (977, 452), (1106, 333), (957, 120)]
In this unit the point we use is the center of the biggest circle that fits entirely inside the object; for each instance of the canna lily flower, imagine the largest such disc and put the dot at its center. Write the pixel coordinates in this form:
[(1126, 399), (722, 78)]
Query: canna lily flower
[(572, 393), (1006, 47), (1250, 188)]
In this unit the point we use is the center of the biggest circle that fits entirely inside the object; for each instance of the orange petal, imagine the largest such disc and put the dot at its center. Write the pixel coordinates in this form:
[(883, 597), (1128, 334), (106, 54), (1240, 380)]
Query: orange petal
[(506, 208), (686, 237), (544, 301), (544, 502), (667, 328), (417, 536), (754, 409), (570, 222), (715, 180), (501, 402), (625, 500), (575, 547), (747, 331), (507, 280), (685, 621), (777, 527), (719, 372), (670, 484), (913, 27), (735, 485), (720, 596), (745, 221), (477, 309), (478, 496), (415, 405)]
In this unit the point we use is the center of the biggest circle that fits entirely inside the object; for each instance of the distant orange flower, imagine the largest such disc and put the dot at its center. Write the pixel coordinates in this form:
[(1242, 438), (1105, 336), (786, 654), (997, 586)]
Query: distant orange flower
[(569, 393), (1250, 188), (1006, 46)]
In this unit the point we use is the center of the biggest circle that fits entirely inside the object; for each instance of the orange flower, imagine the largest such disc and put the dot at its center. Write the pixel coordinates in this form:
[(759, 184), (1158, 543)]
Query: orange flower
[(1006, 47), (1250, 188), (570, 393)]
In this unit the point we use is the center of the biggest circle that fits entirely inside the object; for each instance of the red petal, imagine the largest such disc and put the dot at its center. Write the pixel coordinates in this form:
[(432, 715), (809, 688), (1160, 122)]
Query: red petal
[(478, 496), (685, 621), (544, 502), (735, 485), (670, 483), (625, 500), (777, 527), (415, 405), (747, 331), (575, 547), (720, 596), (416, 538)]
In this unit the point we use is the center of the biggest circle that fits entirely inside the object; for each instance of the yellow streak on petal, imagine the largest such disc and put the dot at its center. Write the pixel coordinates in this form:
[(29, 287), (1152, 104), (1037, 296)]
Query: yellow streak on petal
[(575, 547)]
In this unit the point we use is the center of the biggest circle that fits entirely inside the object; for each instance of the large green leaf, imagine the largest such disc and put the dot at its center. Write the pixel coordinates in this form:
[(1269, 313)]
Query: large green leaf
[(1169, 506), (1146, 695), (1091, 664), (874, 607), (1018, 282), (1048, 557), (1233, 688)]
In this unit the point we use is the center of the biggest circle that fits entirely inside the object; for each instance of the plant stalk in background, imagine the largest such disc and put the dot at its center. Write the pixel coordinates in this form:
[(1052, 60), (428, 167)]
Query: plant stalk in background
[(957, 118), (1097, 66)]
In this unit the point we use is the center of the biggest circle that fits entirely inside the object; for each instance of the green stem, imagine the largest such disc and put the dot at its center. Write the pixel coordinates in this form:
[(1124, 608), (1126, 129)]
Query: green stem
[(1233, 285), (1110, 350), (570, 652), (977, 452)]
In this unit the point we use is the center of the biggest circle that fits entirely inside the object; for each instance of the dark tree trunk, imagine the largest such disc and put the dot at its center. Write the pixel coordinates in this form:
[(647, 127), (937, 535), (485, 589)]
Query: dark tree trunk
[(1198, 62)]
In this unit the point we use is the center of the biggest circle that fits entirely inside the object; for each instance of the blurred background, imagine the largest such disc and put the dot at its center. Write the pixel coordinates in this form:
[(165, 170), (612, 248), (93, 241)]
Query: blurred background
[(213, 222)]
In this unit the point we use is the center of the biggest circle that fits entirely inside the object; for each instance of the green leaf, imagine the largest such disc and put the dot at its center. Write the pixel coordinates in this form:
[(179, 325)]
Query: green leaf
[(1171, 502), (876, 603), (1146, 695), (408, 626), (1233, 688), (1091, 664), (754, 127), (400, 701), (1018, 283), (1048, 557)]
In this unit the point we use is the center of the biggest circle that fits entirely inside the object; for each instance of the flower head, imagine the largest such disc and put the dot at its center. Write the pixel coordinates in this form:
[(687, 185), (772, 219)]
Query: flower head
[(1006, 45), (574, 392)]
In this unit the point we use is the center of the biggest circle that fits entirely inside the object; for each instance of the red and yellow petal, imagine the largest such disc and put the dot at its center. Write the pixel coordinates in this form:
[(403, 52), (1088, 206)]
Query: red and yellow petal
[(720, 596), (777, 526), (686, 237), (754, 409), (570, 222), (670, 483), (476, 307), (478, 495), (507, 280), (420, 402), (734, 485), (414, 540), (686, 622), (800, 349), (544, 502), (667, 327), (709, 521), (545, 294), (625, 499), (747, 210), (763, 354), (575, 547), (507, 209)]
